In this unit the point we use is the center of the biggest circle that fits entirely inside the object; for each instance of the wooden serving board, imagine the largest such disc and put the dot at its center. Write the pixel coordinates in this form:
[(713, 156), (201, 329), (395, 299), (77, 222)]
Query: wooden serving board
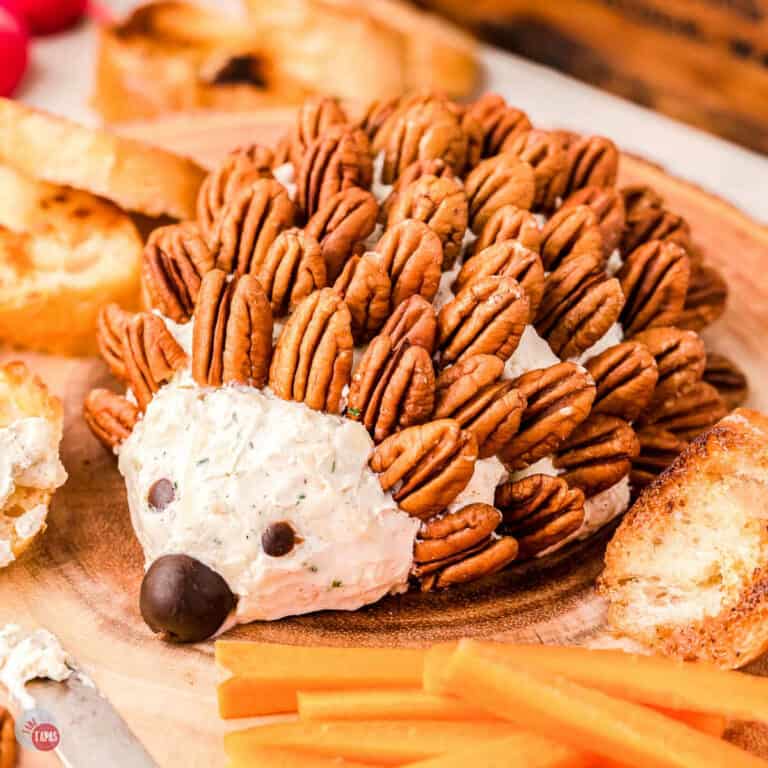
[(81, 580)]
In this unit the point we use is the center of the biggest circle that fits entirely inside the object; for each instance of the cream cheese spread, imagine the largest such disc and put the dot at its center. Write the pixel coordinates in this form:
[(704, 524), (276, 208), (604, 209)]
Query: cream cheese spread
[(532, 353), (29, 656), (29, 458), (487, 475), (240, 459)]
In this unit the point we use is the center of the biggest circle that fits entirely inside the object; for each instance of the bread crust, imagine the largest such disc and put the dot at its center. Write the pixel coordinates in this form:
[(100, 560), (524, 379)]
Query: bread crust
[(131, 174), (734, 455)]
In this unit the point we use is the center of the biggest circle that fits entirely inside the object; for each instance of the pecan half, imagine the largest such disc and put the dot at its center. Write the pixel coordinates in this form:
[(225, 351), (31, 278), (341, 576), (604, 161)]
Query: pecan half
[(727, 378), (558, 399), (654, 280), (496, 182), (446, 538), (414, 320), (7, 740), (238, 169), (338, 159), (341, 225), (598, 453), (459, 383), (592, 160), (366, 289), (608, 206), (539, 511), (392, 388), (569, 234), (658, 449), (376, 114), (499, 122), (545, 153), (232, 336), (486, 317), (625, 376), (680, 359), (706, 298), (580, 304), (411, 253), (313, 356), (111, 417), (441, 203), (173, 264), (110, 332), (510, 223), (475, 139), (506, 259), (316, 115), (249, 224), (151, 355), (689, 414), (293, 269), (475, 564), (422, 131), (282, 150), (433, 167), (647, 219), (426, 467), (470, 393)]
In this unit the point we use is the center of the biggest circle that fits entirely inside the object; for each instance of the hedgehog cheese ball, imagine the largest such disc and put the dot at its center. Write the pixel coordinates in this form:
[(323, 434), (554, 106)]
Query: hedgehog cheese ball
[(412, 350)]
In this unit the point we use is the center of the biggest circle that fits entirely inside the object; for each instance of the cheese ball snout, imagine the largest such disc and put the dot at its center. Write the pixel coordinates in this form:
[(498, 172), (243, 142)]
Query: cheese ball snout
[(183, 599)]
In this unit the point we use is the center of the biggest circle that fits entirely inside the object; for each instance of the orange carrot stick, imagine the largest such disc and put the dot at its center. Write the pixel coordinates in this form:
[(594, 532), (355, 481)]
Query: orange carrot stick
[(384, 743), (583, 718), (384, 705), (266, 677), (274, 757), (523, 750), (652, 680), (714, 725)]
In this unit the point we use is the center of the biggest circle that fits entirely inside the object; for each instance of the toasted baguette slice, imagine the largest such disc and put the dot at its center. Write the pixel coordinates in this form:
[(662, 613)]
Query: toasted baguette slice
[(687, 570), (63, 255), (30, 420), (178, 57), (135, 176)]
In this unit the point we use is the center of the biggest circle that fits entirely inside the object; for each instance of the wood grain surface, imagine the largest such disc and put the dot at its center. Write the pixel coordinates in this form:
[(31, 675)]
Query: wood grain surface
[(81, 580)]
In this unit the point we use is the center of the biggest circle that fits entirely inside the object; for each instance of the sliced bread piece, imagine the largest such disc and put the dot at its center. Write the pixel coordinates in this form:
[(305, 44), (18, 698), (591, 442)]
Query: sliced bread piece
[(687, 571), (137, 177), (64, 254)]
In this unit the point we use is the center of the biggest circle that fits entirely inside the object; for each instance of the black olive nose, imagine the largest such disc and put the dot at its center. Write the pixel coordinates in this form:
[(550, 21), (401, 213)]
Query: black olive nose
[(184, 599)]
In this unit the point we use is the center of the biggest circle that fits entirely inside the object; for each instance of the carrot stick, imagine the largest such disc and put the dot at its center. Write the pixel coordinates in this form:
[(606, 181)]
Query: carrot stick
[(583, 718), (273, 757), (266, 676), (652, 680), (384, 705), (714, 725), (384, 743), (523, 750)]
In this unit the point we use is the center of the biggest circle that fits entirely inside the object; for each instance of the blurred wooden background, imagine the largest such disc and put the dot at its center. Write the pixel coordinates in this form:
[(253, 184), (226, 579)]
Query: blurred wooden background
[(701, 61)]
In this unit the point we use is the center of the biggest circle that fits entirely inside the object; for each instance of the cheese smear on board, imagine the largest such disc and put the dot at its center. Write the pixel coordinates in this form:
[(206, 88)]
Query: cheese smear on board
[(30, 656)]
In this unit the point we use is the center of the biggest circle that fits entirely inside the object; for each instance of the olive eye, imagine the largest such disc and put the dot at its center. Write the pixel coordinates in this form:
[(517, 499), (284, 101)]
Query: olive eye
[(279, 539), (184, 599), (161, 494)]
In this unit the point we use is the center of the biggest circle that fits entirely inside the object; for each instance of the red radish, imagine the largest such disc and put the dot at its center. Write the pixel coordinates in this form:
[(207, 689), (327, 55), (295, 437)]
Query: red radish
[(47, 16), (15, 8), (14, 44)]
